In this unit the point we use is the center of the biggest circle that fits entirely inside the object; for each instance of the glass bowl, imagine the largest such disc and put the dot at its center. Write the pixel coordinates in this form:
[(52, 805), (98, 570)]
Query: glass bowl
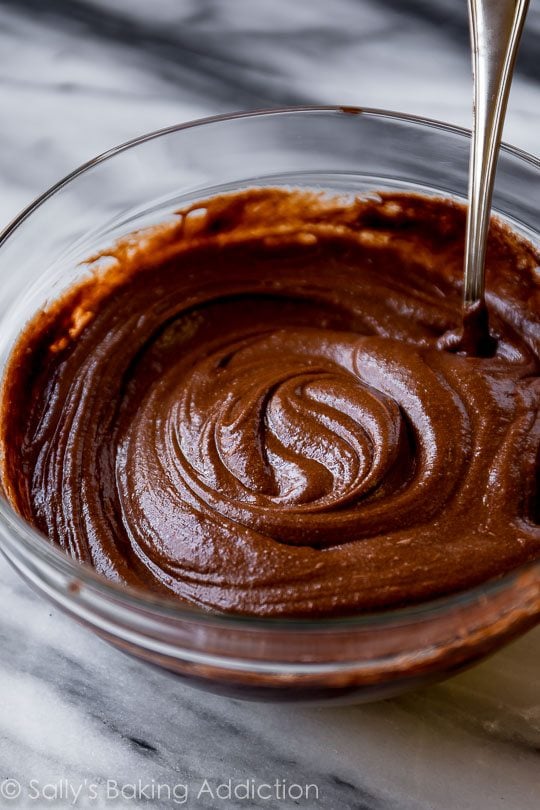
[(142, 183)]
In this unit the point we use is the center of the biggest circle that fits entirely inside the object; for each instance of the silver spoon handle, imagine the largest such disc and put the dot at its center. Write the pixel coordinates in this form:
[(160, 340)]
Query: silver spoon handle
[(496, 27)]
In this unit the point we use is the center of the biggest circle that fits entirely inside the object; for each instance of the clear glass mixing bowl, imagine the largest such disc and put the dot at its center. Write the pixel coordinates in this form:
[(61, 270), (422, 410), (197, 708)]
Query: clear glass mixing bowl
[(142, 183)]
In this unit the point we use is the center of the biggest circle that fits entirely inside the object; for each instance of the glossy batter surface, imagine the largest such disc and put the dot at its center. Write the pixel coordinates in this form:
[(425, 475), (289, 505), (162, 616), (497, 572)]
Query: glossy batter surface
[(252, 409)]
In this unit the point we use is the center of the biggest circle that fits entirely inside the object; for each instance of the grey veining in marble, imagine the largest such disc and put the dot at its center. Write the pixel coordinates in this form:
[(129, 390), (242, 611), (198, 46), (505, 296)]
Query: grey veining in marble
[(77, 77)]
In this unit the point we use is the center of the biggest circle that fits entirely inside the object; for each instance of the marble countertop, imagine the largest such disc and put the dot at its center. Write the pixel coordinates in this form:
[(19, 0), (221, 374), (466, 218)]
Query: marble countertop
[(77, 77)]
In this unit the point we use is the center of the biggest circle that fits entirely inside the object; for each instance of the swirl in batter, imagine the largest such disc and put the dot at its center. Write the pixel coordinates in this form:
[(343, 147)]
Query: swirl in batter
[(252, 409)]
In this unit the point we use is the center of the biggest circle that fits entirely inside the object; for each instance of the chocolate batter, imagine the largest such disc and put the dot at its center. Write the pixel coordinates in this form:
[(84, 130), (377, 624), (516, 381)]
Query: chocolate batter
[(254, 410)]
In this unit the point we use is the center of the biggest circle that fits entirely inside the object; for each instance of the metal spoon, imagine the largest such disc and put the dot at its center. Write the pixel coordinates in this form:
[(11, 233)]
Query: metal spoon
[(496, 27)]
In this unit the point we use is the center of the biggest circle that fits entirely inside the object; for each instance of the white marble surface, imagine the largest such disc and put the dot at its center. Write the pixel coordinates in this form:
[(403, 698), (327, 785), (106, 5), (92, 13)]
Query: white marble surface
[(75, 79)]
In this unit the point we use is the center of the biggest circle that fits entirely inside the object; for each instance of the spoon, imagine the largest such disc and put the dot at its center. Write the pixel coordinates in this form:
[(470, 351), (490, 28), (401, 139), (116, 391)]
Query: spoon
[(496, 27)]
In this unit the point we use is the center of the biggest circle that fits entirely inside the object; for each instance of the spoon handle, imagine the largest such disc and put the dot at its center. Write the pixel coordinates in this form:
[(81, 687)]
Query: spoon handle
[(496, 27)]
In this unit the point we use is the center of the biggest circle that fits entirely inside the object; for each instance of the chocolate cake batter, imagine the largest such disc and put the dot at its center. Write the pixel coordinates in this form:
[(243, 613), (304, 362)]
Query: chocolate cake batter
[(255, 408)]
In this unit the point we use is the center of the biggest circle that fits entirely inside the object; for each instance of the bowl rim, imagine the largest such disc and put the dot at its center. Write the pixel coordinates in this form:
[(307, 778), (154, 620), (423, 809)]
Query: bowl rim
[(37, 544)]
